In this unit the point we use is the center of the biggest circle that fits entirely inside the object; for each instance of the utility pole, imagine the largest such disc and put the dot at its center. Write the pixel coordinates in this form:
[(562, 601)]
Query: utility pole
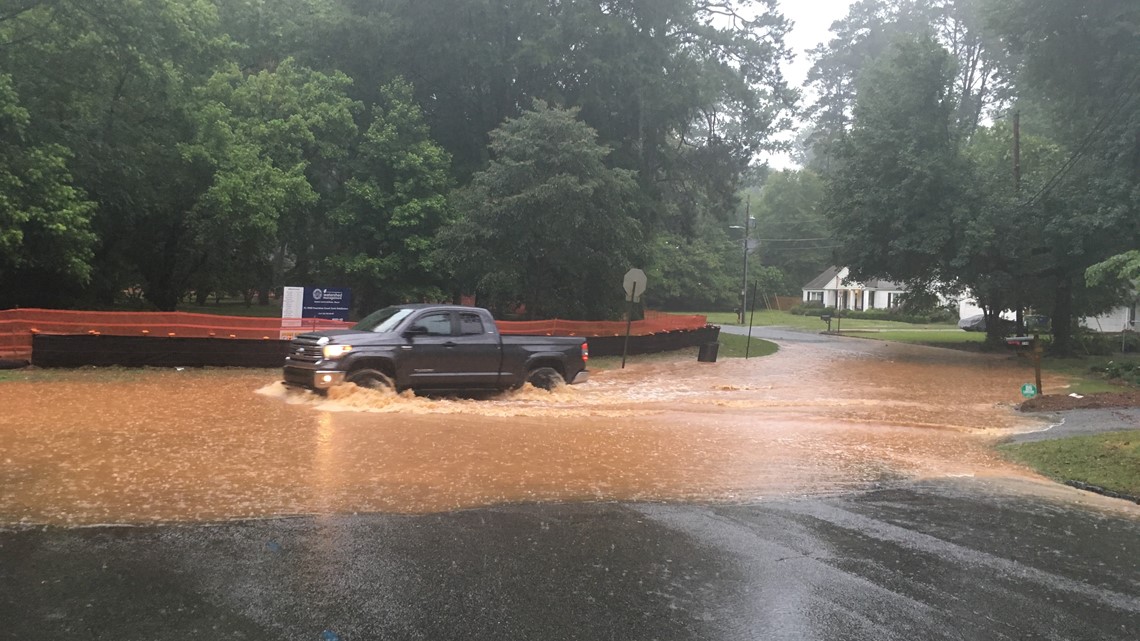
[(1017, 152), (1020, 320), (744, 284)]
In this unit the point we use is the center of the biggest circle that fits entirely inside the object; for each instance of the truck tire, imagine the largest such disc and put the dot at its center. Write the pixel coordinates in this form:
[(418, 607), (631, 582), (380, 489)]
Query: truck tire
[(371, 378), (546, 378)]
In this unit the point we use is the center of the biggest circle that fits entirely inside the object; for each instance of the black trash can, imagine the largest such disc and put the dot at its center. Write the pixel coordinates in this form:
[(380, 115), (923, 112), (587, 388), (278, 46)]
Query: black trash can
[(708, 352)]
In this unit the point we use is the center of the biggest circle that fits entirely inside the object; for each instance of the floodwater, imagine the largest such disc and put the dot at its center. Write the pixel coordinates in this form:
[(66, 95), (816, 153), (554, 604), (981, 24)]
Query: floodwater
[(115, 446)]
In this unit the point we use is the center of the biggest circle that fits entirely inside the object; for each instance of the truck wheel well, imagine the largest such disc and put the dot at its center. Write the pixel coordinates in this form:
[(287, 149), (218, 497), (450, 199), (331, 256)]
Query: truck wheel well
[(552, 363), (379, 365)]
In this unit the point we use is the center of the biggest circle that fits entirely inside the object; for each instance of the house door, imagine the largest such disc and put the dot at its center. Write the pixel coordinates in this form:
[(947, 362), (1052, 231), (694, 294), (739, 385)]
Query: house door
[(858, 303)]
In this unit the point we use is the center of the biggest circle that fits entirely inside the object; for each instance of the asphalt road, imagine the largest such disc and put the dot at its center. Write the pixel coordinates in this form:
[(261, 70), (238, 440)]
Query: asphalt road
[(1083, 423), (956, 559)]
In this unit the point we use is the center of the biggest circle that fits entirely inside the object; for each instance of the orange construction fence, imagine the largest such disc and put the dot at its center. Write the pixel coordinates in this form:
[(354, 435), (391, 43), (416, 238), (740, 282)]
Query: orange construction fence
[(17, 326), (655, 324)]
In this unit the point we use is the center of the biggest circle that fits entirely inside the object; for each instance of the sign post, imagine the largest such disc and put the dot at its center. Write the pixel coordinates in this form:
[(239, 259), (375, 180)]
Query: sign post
[(1037, 350), (752, 317), (634, 285)]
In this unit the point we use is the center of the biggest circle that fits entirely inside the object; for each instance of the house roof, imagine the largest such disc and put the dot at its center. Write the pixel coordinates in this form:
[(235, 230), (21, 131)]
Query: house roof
[(885, 284), (819, 281)]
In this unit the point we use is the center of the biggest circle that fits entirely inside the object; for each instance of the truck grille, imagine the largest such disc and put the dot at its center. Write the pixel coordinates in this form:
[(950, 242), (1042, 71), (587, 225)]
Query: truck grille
[(304, 349)]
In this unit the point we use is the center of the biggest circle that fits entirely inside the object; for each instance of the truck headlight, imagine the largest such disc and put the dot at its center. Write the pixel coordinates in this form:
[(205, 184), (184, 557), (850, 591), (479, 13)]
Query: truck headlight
[(335, 351)]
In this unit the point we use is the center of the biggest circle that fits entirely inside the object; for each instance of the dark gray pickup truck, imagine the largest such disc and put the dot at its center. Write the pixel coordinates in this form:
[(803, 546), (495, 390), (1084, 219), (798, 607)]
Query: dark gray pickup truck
[(433, 347)]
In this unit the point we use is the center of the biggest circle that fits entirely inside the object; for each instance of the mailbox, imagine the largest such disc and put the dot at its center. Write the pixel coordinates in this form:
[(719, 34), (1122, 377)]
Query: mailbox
[(1019, 342), (825, 318)]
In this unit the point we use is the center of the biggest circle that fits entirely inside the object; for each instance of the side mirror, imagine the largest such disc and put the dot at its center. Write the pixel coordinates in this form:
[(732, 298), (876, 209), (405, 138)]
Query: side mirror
[(415, 330)]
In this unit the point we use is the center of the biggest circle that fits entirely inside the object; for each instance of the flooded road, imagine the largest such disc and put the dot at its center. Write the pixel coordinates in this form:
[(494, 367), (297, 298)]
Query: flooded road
[(90, 447)]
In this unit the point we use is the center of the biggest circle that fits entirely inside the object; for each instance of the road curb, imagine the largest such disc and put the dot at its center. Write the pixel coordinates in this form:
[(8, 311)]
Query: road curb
[(1088, 487)]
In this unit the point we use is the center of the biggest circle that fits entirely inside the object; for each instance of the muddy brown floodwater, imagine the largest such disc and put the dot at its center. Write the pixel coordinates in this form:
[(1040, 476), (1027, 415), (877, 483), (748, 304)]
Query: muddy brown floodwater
[(112, 447)]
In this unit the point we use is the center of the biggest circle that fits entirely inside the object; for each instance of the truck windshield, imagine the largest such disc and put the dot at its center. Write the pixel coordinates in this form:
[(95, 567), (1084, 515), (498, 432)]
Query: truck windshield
[(384, 320)]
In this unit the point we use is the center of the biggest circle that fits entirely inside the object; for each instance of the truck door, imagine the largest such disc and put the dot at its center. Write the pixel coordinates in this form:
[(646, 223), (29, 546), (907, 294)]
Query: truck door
[(427, 358), (479, 351)]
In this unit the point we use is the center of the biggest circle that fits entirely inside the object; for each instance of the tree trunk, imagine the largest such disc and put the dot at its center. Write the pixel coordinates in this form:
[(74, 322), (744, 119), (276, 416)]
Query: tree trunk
[(1063, 339), (995, 331)]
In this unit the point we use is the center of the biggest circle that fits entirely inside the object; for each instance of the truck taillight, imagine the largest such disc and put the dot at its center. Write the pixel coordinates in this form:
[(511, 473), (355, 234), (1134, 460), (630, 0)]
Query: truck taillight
[(585, 352)]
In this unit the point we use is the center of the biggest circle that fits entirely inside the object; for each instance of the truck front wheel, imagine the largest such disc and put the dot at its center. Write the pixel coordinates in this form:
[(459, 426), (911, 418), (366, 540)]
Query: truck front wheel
[(546, 378), (371, 378)]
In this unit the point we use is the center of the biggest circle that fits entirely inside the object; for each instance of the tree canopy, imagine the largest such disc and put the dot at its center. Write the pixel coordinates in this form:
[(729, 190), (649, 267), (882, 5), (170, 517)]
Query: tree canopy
[(547, 224), (924, 192), (199, 146)]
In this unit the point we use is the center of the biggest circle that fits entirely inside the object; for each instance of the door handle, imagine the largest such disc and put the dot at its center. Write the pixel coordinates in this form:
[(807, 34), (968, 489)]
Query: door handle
[(449, 344)]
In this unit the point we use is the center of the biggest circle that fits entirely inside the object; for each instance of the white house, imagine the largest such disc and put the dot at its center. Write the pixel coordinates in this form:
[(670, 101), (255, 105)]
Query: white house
[(832, 289), (1121, 319)]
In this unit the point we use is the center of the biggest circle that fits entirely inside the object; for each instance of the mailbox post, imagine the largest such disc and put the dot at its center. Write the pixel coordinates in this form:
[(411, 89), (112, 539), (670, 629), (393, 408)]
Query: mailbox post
[(1032, 346), (1037, 351)]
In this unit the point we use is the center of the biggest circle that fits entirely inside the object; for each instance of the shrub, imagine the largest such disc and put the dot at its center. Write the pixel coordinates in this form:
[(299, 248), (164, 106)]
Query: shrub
[(1095, 344), (1127, 372)]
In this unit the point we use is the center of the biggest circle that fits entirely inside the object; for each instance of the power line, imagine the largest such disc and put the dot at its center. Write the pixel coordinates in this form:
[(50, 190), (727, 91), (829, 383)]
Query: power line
[(1121, 101), (785, 248), (793, 240)]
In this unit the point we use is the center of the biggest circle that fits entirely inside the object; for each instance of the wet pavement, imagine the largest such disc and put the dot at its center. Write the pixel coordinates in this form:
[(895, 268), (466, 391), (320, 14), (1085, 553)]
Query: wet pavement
[(98, 447), (840, 489), (1082, 423), (952, 559)]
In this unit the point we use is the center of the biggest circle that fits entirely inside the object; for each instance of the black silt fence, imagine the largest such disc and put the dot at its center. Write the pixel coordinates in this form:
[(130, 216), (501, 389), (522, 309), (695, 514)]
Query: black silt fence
[(50, 350), (663, 342), (146, 351)]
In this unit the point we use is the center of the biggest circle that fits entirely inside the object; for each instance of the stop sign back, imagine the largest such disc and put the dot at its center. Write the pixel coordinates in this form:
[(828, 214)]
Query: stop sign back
[(634, 277)]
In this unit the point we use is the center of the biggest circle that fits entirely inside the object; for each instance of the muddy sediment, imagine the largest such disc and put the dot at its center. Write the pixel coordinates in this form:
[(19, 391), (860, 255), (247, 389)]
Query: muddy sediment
[(212, 445), (1096, 400)]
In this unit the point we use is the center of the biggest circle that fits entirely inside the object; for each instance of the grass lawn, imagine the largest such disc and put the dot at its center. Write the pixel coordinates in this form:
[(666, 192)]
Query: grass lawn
[(923, 336), (767, 318), (1082, 370), (1111, 461), (731, 346)]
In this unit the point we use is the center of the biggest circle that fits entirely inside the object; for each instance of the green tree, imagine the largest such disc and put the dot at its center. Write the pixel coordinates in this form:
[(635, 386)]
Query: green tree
[(547, 224), (685, 92), (1089, 209), (898, 197), (793, 234), (396, 205), (45, 237), (109, 80), (865, 34), (695, 273), (272, 143)]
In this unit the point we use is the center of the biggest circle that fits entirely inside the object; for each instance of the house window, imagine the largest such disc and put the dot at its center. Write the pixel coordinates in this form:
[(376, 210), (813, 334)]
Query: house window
[(815, 297), (893, 300)]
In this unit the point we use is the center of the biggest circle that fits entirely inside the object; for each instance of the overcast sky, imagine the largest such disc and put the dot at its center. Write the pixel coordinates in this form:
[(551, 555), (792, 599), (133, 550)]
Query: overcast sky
[(811, 20)]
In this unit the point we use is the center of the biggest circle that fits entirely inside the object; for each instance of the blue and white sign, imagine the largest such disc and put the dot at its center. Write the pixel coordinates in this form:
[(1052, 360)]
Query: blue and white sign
[(326, 302)]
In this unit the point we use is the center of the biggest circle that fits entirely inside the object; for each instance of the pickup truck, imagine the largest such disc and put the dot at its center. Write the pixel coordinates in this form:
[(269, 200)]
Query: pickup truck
[(435, 348)]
